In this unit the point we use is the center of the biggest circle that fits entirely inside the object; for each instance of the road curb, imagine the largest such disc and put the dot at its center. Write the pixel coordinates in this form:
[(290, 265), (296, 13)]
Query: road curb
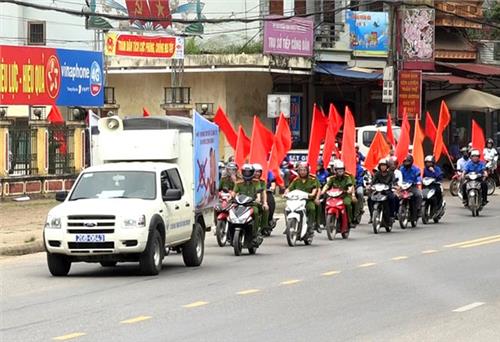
[(27, 248)]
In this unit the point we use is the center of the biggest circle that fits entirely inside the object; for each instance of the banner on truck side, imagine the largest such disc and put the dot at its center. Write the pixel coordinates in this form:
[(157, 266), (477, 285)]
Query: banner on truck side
[(206, 162), (144, 46), (48, 76)]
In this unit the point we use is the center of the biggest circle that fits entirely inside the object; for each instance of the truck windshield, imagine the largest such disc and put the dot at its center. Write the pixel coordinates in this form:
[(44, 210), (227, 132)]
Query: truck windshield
[(115, 184)]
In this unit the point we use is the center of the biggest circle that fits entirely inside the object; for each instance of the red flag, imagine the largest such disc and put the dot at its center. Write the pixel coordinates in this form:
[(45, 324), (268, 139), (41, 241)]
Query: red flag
[(225, 126), (349, 142), (319, 126), (242, 148), (378, 150), (145, 112), (403, 145), (478, 141), (261, 144), (390, 134), (55, 117), (430, 131), (418, 148), (444, 120), (335, 122), (282, 144)]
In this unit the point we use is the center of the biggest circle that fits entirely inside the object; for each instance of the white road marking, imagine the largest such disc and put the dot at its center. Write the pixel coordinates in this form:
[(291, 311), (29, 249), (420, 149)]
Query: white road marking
[(468, 307), (135, 319), (68, 336), (402, 257), (290, 282), (195, 304), (247, 292), (330, 273), (368, 264)]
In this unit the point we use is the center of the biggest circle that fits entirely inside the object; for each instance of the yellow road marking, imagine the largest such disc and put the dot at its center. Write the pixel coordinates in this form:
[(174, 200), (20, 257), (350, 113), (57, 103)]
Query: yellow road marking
[(429, 251), (368, 264), (290, 282), (195, 304), (330, 273), (402, 257), (68, 336), (247, 292), (472, 241), (468, 307), (479, 243), (135, 319)]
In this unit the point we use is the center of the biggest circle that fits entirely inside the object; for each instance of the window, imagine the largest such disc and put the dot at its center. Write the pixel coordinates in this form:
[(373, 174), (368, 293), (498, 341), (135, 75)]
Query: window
[(175, 179), (36, 32)]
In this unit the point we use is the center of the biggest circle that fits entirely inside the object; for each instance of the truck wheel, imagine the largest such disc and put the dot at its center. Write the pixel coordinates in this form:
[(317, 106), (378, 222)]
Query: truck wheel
[(194, 249), (151, 259), (108, 263), (59, 264)]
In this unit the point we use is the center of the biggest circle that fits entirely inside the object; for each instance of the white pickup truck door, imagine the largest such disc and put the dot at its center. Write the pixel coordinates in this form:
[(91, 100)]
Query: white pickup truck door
[(178, 215)]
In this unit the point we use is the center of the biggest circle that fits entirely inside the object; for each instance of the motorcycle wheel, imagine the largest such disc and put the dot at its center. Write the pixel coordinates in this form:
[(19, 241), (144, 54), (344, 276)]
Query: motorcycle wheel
[(490, 182), (331, 223), (221, 233), (308, 240), (454, 187), (377, 220), (403, 217), (426, 213), (238, 242), (291, 232)]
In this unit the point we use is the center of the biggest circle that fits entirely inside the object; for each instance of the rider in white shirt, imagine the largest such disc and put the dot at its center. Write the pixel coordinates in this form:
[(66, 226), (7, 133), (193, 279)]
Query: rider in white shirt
[(462, 161), (491, 153)]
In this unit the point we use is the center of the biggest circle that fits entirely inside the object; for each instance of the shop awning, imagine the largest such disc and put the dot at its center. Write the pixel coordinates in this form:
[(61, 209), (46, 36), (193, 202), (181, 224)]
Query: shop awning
[(473, 68), (451, 79), (342, 70)]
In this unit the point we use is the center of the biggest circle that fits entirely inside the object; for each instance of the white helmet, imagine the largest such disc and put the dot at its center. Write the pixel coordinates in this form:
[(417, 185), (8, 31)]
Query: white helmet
[(475, 153), (257, 167), (429, 159), (338, 164)]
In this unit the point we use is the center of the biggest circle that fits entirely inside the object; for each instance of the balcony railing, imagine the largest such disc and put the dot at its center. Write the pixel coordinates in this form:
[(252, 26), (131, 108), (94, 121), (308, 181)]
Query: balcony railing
[(177, 95), (22, 158), (327, 35)]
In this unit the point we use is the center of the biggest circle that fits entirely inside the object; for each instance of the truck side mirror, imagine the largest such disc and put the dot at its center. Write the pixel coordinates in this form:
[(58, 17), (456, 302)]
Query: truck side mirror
[(61, 196), (172, 195)]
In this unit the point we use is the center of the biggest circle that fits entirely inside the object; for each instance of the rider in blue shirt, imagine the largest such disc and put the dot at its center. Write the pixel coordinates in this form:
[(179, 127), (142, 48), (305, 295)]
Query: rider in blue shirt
[(431, 170), (477, 166), (360, 191), (411, 174), (322, 174)]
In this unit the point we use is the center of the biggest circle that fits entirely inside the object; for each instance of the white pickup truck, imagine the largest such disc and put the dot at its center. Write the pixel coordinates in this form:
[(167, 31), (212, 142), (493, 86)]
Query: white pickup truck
[(141, 201)]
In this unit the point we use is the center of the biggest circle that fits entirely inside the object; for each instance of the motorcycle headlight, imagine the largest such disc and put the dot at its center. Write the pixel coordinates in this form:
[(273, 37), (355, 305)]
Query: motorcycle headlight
[(135, 222), (53, 222)]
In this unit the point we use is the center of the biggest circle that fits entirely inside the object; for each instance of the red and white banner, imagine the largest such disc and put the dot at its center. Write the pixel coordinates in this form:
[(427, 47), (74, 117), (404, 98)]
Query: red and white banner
[(144, 46)]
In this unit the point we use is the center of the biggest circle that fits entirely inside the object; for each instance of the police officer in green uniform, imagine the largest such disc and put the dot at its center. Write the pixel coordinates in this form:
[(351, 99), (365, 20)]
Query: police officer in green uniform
[(342, 180), (250, 187), (230, 178), (309, 184), (264, 223)]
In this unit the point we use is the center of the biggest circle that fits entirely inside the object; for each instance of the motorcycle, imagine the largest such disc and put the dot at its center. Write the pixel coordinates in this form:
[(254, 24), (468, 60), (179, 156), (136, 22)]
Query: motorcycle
[(241, 219), (474, 194), (337, 219), (222, 213), (491, 180), (406, 212), (296, 218), (381, 217), (456, 180), (430, 208)]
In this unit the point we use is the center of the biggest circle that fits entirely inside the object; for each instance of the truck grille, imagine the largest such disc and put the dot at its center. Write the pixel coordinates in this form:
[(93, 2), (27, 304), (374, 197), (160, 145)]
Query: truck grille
[(91, 231), (91, 223), (91, 245)]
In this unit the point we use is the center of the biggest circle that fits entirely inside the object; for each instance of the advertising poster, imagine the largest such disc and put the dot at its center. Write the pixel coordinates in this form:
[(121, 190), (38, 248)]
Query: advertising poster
[(144, 46), (410, 93), (295, 106), (369, 32), (292, 37), (206, 160), (48, 76)]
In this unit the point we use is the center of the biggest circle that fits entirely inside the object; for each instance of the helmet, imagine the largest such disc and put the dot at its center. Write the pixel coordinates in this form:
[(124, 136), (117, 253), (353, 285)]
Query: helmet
[(338, 164), (257, 167), (231, 166), (408, 159), (247, 172), (383, 161), (489, 141), (475, 153), (410, 148), (221, 165), (464, 150), (430, 159), (303, 166)]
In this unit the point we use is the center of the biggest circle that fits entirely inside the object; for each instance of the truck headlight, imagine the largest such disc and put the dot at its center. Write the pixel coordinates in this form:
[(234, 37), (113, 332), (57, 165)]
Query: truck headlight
[(53, 222), (135, 222)]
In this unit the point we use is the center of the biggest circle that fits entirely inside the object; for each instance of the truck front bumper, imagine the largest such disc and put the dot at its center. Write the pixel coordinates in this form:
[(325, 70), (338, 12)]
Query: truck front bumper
[(121, 241)]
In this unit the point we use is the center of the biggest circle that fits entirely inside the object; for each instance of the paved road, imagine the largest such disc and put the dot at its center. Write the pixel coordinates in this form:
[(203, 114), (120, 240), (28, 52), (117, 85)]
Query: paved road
[(434, 283)]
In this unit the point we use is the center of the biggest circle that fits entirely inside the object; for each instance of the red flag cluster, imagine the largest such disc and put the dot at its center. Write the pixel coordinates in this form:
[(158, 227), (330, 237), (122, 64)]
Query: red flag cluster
[(55, 117)]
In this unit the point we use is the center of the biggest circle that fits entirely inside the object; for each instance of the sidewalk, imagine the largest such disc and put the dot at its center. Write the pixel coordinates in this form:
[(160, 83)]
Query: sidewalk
[(21, 226)]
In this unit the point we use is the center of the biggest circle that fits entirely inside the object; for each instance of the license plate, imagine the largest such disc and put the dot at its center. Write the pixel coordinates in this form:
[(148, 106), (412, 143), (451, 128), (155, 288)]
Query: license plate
[(89, 237)]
